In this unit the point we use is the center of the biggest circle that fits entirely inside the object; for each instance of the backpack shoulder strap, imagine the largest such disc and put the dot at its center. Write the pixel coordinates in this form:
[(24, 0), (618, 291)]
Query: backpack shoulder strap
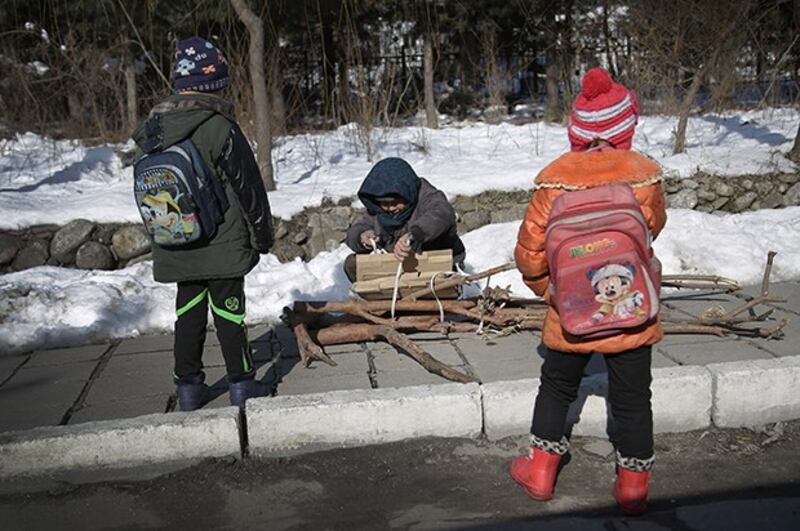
[(154, 134)]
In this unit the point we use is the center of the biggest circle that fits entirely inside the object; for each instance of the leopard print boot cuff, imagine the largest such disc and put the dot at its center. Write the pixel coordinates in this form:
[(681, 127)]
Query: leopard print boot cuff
[(553, 447), (635, 464)]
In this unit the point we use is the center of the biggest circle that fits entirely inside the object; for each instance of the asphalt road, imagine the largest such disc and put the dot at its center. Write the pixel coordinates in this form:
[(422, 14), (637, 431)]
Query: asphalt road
[(712, 480)]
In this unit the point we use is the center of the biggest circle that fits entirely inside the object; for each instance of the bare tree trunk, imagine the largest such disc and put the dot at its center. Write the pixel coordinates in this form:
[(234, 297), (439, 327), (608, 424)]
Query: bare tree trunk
[(794, 154), (75, 108), (431, 117), (130, 90), (607, 42), (255, 28), (553, 111), (342, 113), (277, 104), (686, 108)]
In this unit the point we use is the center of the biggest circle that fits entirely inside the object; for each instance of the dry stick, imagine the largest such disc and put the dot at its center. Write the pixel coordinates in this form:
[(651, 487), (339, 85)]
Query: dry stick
[(308, 349), (680, 328), (451, 283), (685, 284), (767, 272), (761, 299), (355, 307), (305, 345), (401, 341), (360, 333)]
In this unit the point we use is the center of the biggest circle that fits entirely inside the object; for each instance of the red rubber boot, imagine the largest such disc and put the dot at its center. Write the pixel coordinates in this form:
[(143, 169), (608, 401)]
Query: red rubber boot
[(536, 473), (630, 490)]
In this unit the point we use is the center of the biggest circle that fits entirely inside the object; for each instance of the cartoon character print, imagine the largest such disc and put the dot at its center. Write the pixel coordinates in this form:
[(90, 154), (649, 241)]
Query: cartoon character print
[(612, 287), (184, 67), (164, 218)]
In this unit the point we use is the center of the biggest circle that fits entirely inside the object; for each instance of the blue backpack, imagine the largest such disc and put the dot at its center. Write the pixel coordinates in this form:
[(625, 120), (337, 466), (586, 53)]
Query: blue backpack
[(180, 200)]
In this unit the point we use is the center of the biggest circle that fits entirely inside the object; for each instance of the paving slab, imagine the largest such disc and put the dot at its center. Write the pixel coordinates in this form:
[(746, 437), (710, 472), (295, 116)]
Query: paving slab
[(9, 364), (121, 443), (24, 416), (789, 344), (286, 342), (40, 396), (125, 377), (787, 290), (441, 349), (522, 346), (500, 370), (64, 356), (689, 339), (394, 369), (387, 358), (322, 385), (120, 409), (47, 386), (344, 349), (713, 352), (406, 378), (695, 304), (660, 361), (295, 424), (138, 345), (351, 372)]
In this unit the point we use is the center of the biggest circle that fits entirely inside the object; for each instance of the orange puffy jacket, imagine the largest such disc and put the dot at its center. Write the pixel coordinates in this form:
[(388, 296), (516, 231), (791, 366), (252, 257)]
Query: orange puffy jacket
[(575, 171)]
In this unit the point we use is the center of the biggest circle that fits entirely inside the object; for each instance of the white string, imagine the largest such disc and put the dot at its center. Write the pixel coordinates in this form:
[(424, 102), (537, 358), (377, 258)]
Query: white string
[(375, 248), (396, 286), (435, 296)]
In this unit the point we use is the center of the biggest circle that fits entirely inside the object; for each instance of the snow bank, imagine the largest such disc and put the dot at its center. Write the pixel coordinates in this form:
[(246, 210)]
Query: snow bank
[(46, 181), (49, 307)]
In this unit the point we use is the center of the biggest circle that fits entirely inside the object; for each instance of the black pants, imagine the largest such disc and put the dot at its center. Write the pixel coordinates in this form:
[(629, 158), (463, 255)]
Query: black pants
[(629, 380), (226, 298)]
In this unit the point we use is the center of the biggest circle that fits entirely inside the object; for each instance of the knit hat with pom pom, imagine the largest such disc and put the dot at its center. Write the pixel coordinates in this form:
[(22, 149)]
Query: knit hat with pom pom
[(603, 110)]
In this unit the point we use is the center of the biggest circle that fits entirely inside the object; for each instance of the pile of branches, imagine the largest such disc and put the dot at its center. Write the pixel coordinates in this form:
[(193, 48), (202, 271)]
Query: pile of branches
[(494, 313)]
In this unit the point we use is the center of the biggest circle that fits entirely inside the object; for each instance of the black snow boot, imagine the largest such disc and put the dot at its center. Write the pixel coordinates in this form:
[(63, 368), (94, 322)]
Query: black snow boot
[(244, 389), (192, 392)]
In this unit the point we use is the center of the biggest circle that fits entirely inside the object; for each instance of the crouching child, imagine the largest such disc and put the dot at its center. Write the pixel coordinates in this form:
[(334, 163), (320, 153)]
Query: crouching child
[(405, 214)]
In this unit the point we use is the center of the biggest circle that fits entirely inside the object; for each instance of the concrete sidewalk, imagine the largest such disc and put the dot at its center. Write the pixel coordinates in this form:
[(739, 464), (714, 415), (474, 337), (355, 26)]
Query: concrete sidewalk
[(131, 378)]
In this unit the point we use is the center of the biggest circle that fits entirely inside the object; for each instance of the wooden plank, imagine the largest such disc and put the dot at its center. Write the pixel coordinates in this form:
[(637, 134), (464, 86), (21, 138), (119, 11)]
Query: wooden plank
[(372, 266), (382, 288)]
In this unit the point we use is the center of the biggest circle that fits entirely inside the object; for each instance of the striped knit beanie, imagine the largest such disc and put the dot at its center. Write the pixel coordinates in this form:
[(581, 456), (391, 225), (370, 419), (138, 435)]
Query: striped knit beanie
[(603, 110)]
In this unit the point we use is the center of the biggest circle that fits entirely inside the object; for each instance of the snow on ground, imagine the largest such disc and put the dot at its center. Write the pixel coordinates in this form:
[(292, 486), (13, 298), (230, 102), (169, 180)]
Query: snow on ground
[(50, 307), (46, 181)]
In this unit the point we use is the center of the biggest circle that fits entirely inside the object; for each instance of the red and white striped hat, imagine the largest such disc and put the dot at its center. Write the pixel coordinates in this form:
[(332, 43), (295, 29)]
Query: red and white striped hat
[(603, 110)]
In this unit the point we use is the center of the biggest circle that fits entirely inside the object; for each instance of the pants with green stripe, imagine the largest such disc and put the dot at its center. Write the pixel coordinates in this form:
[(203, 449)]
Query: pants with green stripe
[(226, 299)]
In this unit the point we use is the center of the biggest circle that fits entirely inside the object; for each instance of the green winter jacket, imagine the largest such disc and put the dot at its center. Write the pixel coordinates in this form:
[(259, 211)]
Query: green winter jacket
[(247, 228)]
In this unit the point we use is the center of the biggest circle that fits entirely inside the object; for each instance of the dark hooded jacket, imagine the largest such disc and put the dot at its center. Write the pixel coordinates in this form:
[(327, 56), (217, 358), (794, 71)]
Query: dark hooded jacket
[(247, 228), (429, 217)]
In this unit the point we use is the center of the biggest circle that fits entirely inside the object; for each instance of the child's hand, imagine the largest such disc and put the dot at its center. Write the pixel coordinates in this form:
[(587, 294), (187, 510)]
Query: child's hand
[(402, 249), (368, 237)]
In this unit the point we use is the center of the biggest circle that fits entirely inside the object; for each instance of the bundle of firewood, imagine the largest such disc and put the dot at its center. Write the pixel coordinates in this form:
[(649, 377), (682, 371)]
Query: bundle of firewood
[(495, 312)]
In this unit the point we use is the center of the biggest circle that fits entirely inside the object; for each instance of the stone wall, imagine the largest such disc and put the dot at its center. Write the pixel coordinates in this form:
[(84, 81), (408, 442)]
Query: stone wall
[(79, 244), (88, 245)]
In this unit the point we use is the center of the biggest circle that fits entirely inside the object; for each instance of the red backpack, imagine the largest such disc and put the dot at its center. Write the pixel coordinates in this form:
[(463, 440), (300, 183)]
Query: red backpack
[(604, 277)]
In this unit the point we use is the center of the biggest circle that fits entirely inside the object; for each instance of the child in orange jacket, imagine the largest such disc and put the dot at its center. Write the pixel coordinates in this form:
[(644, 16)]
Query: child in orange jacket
[(601, 130)]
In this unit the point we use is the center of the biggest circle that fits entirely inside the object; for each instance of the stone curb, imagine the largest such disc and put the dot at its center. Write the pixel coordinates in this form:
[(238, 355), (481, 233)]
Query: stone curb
[(121, 443), (733, 394), (681, 402), (751, 393), (296, 424)]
